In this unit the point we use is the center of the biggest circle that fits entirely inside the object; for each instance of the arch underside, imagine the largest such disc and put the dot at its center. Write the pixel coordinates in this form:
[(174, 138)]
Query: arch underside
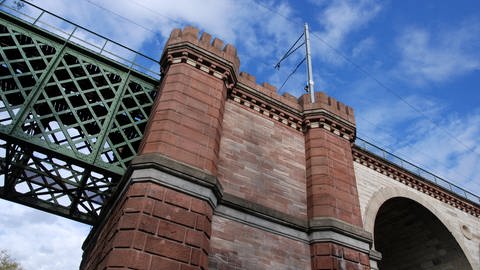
[(410, 237)]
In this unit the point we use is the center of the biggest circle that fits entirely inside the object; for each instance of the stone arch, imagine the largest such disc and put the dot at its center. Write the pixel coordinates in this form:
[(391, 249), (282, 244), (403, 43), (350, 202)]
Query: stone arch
[(383, 195)]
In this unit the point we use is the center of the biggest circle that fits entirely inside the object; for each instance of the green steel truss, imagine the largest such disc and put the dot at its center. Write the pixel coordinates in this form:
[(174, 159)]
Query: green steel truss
[(70, 121)]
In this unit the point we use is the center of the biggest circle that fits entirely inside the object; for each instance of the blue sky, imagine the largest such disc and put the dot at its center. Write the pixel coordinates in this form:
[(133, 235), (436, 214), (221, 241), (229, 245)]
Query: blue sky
[(410, 69)]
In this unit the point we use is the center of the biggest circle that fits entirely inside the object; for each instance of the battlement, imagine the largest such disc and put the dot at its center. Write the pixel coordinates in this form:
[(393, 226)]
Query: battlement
[(228, 52), (269, 90), (323, 101), (192, 35)]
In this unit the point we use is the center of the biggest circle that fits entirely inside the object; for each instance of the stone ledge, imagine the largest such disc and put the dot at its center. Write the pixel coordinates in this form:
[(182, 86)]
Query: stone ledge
[(261, 222), (336, 225), (178, 169), (319, 235), (200, 183), (375, 255), (262, 212)]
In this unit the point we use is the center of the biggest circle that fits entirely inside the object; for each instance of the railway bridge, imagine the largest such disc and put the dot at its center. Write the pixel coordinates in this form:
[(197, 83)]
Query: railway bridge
[(201, 167)]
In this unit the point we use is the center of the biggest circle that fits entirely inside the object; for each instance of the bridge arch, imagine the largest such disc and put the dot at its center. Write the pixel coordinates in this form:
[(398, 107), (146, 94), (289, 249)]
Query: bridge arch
[(391, 199)]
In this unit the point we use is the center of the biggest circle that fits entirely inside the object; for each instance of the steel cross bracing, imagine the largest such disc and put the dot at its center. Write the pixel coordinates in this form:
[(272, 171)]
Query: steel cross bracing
[(70, 121)]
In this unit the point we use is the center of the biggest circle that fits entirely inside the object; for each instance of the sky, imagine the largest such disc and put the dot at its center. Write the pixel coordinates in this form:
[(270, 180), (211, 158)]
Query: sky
[(410, 69)]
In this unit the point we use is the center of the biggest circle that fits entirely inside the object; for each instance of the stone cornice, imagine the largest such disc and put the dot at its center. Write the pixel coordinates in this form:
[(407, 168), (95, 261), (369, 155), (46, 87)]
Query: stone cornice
[(180, 170), (201, 59), (261, 102), (321, 118), (328, 223), (266, 106), (319, 230), (414, 181)]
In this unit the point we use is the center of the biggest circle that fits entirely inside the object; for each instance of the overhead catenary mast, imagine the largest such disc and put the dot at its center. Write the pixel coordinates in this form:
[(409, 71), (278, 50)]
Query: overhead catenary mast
[(293, 48), (310, 82)]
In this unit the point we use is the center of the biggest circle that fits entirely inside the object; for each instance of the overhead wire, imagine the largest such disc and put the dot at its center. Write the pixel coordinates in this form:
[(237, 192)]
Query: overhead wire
[(155, 12), (121, 16), (394, 93), (376, 80), (335, 50), (293, 72), (175, 21), (290, 51), (160, 14), (391, 149)]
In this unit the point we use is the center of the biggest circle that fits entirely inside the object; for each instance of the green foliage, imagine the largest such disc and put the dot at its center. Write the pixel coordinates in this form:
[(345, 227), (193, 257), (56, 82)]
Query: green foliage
[(8, 263)]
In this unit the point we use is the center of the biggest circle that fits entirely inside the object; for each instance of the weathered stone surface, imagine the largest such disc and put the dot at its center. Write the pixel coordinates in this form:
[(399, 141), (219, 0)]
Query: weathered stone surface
[(375, 189)]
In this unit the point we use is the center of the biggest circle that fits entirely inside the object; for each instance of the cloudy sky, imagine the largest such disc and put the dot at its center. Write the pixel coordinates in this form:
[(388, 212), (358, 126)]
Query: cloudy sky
[(410, 69)]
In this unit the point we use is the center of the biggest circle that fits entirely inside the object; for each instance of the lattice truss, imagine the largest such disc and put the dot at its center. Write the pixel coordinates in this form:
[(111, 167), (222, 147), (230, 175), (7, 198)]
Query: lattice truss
[(70, 122)]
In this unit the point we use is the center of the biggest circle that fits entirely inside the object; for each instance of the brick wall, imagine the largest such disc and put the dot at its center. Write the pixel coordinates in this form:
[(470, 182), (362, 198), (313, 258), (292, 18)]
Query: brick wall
[(262, 161), (231, 175)]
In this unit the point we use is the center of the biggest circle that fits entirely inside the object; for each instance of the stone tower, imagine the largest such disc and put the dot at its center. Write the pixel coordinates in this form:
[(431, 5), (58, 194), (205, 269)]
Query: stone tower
[(232, 175)]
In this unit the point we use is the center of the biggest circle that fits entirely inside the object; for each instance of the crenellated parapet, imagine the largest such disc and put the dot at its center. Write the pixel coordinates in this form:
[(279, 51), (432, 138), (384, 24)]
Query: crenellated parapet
[(330, 114), (216, 46), (221, 61), (212, 57)]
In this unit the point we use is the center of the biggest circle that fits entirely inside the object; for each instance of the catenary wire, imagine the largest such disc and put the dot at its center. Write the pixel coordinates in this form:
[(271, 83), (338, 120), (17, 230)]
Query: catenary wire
[(293, 72), (377, 81), (290, 51), (121, 16)]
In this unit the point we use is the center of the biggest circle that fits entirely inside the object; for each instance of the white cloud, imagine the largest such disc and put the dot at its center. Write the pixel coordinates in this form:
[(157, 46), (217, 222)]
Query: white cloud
[(43, 241), (39, 240), (450, 149), (439, 57), (143, 20), (364, 46), (338, 20)]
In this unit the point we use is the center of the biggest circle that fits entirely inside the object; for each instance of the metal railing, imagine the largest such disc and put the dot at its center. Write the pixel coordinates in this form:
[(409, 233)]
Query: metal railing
[(82, 36), (430, 177)]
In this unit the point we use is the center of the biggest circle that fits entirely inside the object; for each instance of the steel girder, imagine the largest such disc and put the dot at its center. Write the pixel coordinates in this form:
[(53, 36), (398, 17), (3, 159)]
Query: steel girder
[(71, 121)]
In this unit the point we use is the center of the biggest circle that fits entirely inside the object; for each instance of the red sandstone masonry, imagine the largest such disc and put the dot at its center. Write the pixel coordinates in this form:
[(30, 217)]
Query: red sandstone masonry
[(269, 90), (330, 256), (331, 185), (237, 246), (190, 34), (262, 156), (322, 101), (154, 228), (186, 122), (262, 161)]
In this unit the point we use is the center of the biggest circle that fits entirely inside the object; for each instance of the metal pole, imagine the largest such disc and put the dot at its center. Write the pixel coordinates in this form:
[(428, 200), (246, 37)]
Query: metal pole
[(309, 65)]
